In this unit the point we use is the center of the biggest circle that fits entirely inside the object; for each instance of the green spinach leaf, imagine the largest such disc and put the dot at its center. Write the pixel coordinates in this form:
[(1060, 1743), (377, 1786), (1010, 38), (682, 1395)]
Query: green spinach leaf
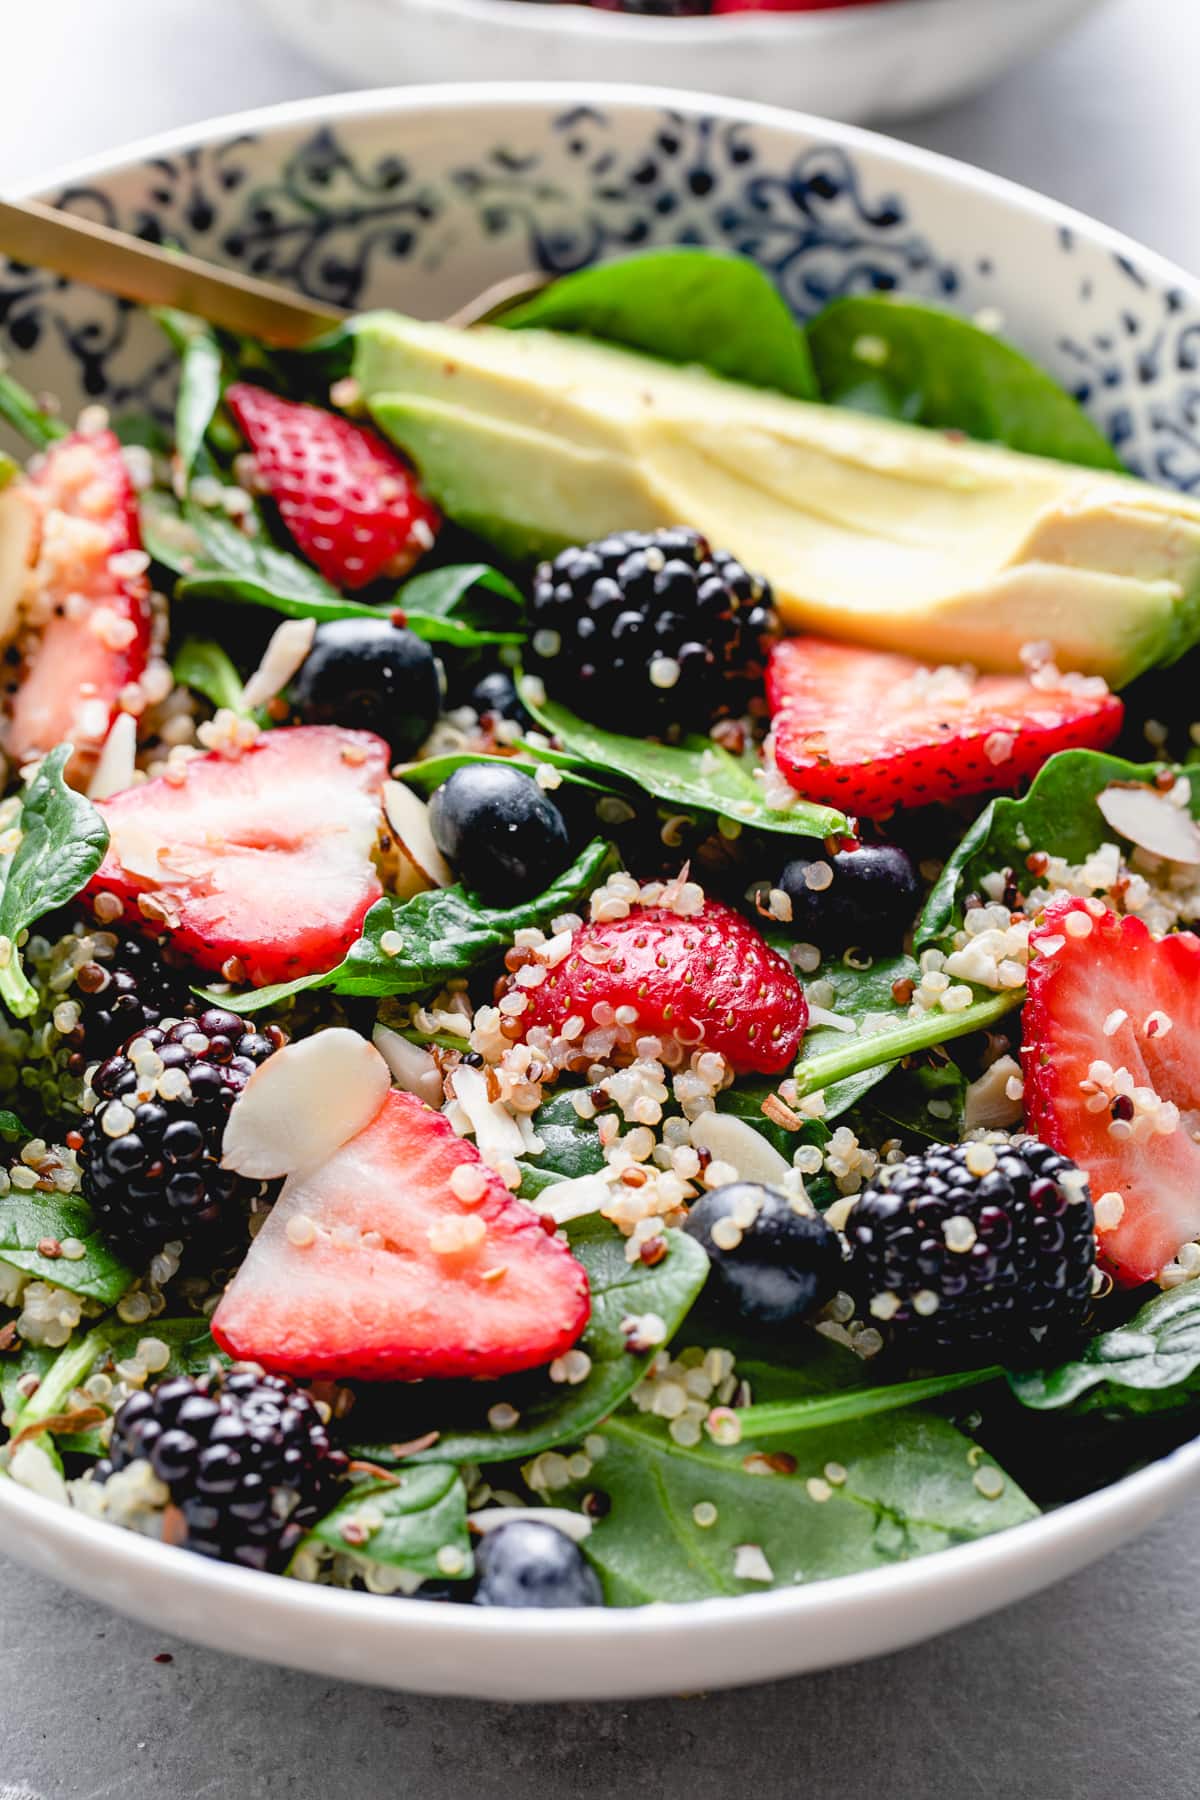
[(1152, 1364), (902, 1487), (30, 1220), (29, 1359), (694, 773), (549, 1412), (200, 380), (572, 1144), (20, 410), (857, 993), (811, 1412), (433, 936), (685, 306), (422, 1513), (467, 605), (905, 360), (424, 777), (926, 1101), (62, 844), (203, 665), (189, 1340), (1058, 815), (856, 1057)]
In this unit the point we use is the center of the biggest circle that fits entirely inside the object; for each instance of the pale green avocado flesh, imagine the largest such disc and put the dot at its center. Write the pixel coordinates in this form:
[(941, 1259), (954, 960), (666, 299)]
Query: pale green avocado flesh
[(891, 535)]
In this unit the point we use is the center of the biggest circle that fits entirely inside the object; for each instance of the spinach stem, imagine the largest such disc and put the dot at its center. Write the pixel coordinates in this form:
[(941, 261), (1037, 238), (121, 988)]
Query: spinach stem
[(782, 1417)]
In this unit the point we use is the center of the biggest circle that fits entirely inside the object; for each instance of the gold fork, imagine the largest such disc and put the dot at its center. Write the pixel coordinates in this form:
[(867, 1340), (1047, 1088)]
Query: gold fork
[(42, 237)]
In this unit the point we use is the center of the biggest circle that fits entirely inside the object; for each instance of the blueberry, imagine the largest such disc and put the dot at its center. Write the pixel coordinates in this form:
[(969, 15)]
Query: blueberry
[(871, 900), (497, 694), (776, 1267), (500, 832), (370, 675), (530, 1564)]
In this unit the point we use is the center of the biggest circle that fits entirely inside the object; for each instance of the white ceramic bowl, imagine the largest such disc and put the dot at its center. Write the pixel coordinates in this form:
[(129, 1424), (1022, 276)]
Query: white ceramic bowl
[(863, 62), (419, 199)]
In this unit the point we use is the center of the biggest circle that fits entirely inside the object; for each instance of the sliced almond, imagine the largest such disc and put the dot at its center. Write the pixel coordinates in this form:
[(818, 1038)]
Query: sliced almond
[(571, 1524), (290, 644), (303, 1104), (413, 863), (988, 1106), (496, 1132), (139, 850), (731, 1140), (1152, 822), (412, 1066), (573, 1199), (117, 764)]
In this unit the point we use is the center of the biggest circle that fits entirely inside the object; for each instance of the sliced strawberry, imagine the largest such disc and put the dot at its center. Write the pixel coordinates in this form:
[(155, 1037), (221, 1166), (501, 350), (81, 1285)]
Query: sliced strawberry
[(262, 856), (708, 982), (350, 501), (384, 1264), (868, 731), (1111, 1034), (85, 622)]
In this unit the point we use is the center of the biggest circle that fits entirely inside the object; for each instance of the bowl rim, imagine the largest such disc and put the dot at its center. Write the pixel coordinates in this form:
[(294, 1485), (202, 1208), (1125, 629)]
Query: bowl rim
[(1136, 1497), (448, 96)]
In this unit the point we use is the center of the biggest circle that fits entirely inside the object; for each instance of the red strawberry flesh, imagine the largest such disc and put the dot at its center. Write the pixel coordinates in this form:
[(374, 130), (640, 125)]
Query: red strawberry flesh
[(89, 622), (400, 1278), (351, 503), (709, 982), (1111, 1034), (263, 856), (868, 731)]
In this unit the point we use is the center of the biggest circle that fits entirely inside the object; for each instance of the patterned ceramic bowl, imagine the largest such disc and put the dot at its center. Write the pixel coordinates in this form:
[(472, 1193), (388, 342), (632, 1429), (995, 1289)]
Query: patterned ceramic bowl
[(419, 199)]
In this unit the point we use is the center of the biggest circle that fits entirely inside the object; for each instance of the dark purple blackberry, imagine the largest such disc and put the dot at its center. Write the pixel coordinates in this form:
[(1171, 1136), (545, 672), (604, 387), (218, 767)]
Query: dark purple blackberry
[(976, 1249), (152, 1142), (246, 1457), (650, 632), (126, 993)]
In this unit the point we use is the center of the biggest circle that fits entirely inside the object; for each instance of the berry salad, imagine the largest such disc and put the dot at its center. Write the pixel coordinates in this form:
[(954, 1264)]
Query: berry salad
[(599, 999)]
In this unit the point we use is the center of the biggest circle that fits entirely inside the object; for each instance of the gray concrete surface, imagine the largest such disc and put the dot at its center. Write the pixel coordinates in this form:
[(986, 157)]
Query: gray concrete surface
[(1088, 1692)]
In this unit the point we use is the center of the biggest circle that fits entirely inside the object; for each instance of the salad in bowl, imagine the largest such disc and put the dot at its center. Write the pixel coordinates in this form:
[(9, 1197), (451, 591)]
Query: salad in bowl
[(599, 1002)]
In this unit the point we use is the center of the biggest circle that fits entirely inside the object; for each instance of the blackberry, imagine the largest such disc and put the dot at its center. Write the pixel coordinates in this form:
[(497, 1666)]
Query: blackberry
[(151, 1150), (650, 632), (246, 1457), (997, 1263), (126, 994)]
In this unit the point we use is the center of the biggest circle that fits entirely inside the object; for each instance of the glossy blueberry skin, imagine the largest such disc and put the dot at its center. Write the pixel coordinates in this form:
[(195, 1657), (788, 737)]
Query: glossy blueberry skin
[(497, 693), (786, 1265), (529, 1564), (370, 675), (500, 833), (871, 901)]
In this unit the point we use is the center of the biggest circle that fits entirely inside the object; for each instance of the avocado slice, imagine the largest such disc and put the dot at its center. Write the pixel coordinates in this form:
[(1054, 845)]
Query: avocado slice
[(887, 533)]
